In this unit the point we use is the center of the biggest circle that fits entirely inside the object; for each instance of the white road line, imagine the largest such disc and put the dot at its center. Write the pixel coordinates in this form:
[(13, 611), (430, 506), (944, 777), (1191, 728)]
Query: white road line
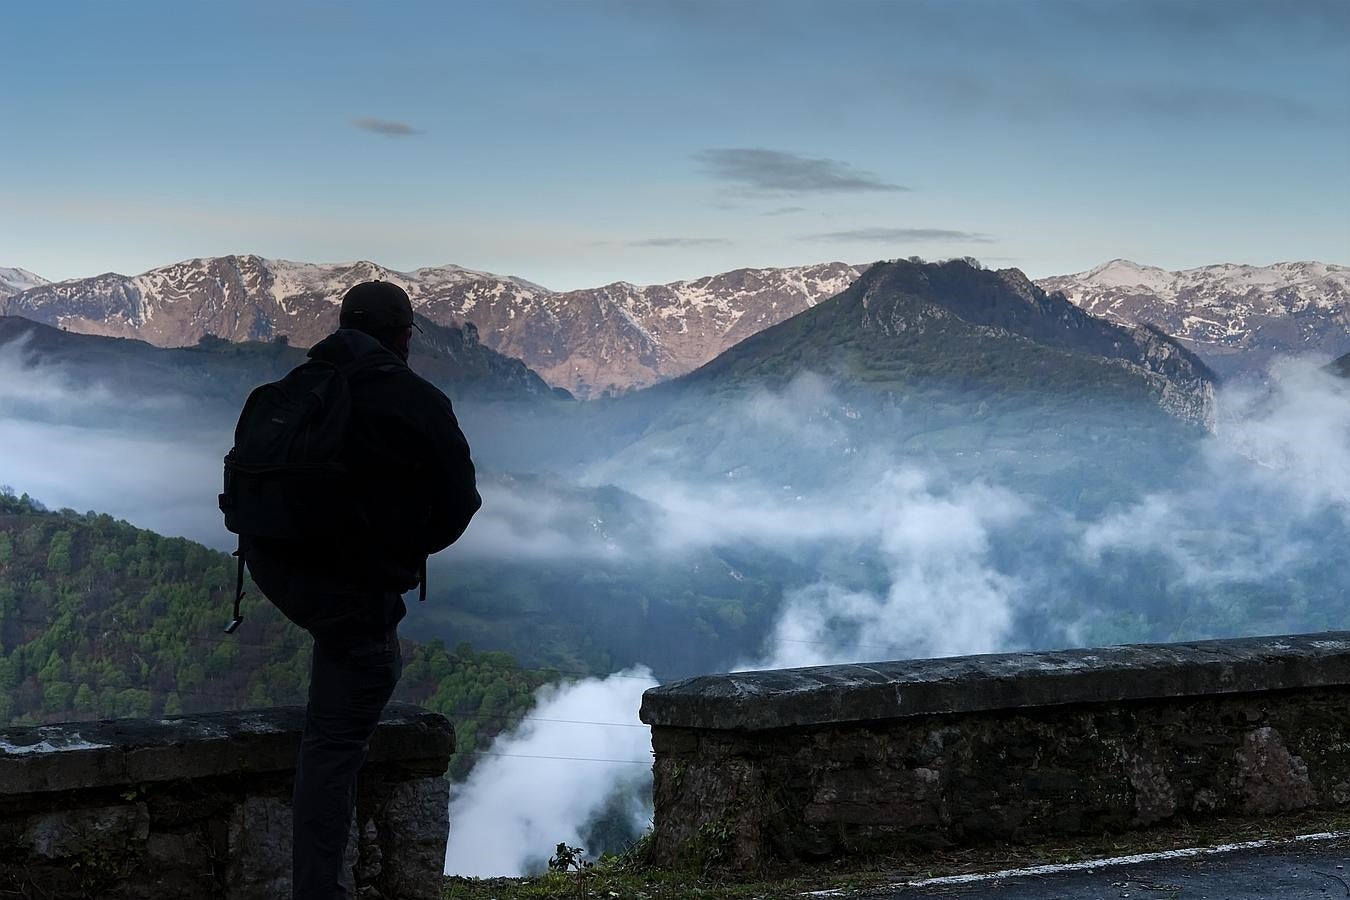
[(1088, 865)]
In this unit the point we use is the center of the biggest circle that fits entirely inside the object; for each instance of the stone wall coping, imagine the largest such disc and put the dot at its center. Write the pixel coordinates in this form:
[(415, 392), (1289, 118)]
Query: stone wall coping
[(110, 752), (826, 695)]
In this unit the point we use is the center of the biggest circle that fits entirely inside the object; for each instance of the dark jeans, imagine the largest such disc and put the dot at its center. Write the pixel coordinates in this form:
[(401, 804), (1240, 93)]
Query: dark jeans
[(348, 689)]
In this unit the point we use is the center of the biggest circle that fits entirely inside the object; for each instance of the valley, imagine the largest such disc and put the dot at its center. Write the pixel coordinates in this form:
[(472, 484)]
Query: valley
[(940, 459)]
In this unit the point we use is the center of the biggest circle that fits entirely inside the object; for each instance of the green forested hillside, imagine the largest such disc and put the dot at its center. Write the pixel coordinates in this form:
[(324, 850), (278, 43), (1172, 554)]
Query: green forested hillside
[(101, 619)]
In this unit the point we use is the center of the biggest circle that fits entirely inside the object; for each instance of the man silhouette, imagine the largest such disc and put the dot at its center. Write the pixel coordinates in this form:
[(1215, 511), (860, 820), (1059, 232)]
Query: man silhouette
[(413, 482)]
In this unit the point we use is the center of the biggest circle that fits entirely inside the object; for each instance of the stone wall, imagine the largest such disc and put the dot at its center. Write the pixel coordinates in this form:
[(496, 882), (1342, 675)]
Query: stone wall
[(199, 806), (835, 760)]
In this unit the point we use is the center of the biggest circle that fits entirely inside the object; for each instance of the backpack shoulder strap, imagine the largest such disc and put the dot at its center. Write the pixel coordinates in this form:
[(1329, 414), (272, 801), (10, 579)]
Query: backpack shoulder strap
[(238, 590)]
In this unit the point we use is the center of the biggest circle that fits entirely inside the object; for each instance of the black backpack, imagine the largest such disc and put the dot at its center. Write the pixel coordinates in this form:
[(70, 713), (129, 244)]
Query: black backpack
[(285, 481)]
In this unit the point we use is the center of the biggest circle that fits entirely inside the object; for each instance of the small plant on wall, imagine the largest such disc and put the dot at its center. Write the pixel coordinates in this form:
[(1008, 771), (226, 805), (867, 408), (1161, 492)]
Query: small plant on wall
[(569, 859)]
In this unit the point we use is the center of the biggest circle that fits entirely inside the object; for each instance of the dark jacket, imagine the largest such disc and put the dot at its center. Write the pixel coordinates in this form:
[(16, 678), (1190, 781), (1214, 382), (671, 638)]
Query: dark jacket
[(414, 480)]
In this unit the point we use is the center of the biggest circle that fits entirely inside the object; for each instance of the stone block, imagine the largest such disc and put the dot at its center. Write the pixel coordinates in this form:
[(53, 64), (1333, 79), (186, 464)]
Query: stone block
[(260, 839), (416, 822), (77, 832), (1154, 799), (176, 865), (1269, 778), (259, 849)]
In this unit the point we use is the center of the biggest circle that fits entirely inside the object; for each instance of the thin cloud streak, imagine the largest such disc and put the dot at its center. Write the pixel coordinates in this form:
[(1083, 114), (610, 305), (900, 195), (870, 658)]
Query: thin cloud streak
[(1043, 93), (679, 242), (386, 127), (758, 169), (890, 235)]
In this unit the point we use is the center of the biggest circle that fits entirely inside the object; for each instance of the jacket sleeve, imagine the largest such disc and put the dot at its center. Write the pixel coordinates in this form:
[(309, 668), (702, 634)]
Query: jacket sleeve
[(452, 491)]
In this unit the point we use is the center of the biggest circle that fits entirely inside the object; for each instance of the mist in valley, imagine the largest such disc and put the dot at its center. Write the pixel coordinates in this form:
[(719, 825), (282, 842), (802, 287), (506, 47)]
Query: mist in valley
[(806, 523)]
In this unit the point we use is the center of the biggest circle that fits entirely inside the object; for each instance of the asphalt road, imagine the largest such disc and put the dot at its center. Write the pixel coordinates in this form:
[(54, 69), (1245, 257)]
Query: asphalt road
[(1306, 868)]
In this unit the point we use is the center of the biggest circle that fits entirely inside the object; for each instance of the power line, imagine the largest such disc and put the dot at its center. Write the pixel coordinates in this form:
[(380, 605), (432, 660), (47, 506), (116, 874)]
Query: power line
[(574, 721), (636, 762), (887, 649), (468, 713)]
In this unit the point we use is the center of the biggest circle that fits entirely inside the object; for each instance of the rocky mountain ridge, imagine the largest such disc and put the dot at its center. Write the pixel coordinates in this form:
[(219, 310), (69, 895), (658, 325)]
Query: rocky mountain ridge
[(1235, 317), (610, 338)]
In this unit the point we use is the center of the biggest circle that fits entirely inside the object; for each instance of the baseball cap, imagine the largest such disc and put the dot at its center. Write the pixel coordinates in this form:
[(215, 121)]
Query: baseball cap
[(376, 306)]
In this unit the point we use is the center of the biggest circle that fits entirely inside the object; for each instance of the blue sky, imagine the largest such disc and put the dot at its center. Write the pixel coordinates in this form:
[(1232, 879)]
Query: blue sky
[(576, 143)]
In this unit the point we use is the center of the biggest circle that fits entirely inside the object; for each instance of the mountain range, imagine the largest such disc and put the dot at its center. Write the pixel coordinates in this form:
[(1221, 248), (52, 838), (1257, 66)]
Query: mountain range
[(622, 336), (605, 339), (1237, 318)]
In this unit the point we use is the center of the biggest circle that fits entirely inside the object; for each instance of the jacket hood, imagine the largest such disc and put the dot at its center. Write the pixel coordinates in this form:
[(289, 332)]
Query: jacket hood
[(348, 344)]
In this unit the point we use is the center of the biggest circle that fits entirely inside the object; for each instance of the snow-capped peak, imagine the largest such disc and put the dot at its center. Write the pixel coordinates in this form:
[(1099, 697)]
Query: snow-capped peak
[(14, 280), (1124, 273)]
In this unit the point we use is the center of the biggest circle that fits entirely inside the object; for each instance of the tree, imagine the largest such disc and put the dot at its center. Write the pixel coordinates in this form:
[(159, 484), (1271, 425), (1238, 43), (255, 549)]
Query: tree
[(31, 538), (58, 553), (84, 699), (133, 703), (56, 696), (54, 670)]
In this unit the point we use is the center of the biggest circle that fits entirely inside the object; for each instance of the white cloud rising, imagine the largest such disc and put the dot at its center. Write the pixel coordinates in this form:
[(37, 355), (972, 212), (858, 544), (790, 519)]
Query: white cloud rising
[(542, 782)]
